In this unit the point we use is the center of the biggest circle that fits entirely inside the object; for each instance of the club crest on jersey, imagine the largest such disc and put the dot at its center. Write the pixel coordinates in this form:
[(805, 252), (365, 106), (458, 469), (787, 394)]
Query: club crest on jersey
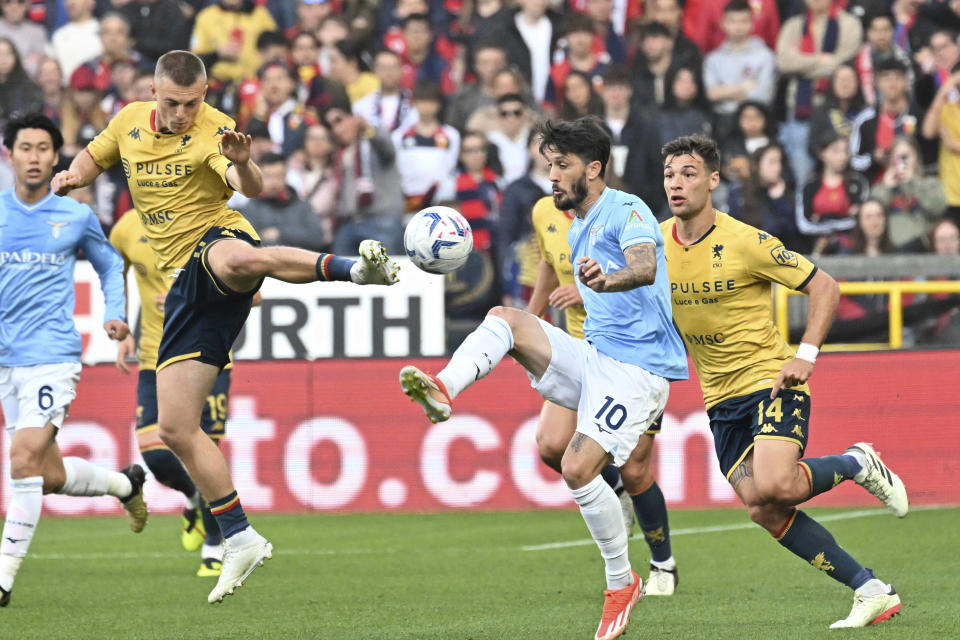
[(57, 226), (183, 142), (784, 257), (595, 233)]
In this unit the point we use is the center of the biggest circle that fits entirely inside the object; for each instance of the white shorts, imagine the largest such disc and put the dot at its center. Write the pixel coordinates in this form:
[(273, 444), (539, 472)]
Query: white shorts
[(33, 396), (615, 402)]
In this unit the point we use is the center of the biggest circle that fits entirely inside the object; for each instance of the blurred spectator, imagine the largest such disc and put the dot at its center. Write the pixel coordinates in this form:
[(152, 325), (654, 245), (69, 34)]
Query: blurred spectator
[(905, 12), (427, 152), (361, 15), (875, 128), (476, 188), (609, 24), (488, 21), (315, 180), (50, 81), (18, 93), (578, 55), (260, 142), (669, 14), (391, 106), (29, 38), (158, 26), (506, 82), (79, 40), (878, 47), (625, 127), (370, 204), (767, 199), (226, 34), (742, 68), (333, 29), (81, 117), (310, 14), (510, 136), (514, 226), (871, 236), (422, 61), (765, 24), (123, 75), (488, 60), (684, 111), (810, 47), (932, 16), (844, 102), (313, 89), (392, 13), (654, 58), (579, 97), (752, 129), (945, 238), (279, 215), (832, 197), (348, 68), (142, 88), (286, 119), (115, 42), (944, 57), (533, 39), (913, 201)]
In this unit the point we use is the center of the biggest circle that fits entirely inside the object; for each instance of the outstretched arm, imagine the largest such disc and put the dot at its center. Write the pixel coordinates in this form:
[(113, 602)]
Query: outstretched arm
[(641, 270), (824, 293), (244, 174), (82, 172)]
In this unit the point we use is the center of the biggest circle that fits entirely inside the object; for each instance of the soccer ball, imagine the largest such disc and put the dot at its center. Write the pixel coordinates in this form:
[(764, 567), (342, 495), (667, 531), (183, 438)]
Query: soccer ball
[(438, 239)]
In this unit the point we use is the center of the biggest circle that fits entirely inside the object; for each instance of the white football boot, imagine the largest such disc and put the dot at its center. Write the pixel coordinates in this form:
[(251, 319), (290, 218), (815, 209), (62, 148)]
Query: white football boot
[(418, 384), (877, 478), (662, 582), (870, 608), (239, 561), (374, 265)]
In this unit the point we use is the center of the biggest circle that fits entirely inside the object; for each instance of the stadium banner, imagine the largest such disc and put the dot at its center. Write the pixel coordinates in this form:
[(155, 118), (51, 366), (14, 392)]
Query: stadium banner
[(304, 322), (339, 436)]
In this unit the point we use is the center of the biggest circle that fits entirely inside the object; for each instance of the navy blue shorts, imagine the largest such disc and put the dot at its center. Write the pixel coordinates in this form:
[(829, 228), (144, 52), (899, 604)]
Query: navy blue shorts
[(736, 423), (202, 316), (212, 420)]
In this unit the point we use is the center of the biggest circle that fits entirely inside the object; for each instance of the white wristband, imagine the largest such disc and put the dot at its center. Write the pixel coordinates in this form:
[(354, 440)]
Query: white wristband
[(808, 352)]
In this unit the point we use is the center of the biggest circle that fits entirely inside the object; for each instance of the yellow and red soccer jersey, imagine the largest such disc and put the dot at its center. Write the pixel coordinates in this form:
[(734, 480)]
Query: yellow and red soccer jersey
[(720, 288), (178, 181), (550, 226), (129, 240)]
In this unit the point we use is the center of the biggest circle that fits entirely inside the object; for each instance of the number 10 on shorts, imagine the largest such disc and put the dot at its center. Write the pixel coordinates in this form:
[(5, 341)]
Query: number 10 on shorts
[(612, 414)]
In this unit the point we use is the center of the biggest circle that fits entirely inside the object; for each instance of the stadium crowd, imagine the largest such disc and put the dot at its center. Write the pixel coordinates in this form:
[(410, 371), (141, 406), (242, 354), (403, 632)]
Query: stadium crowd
[(839, 120)]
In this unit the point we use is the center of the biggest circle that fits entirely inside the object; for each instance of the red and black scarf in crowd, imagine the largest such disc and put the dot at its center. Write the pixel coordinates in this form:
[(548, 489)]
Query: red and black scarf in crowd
[(478, 200), (806, 87)]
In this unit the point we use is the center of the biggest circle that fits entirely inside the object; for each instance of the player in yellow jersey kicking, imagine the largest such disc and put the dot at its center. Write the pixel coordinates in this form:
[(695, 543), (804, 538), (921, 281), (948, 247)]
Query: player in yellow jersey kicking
[(638, 490), (182, 161), (200, 529), (754, 386)]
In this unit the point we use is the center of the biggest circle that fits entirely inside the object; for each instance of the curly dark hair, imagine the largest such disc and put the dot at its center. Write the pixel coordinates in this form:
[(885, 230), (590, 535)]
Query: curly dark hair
[(585, 137)]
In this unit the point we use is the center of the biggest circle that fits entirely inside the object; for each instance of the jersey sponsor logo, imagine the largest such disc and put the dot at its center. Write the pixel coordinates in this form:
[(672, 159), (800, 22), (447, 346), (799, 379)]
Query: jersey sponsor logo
[(704, 339), (57, 227), (27, 258), (157, 217), (704, 286), (784, 257), (163, 169)]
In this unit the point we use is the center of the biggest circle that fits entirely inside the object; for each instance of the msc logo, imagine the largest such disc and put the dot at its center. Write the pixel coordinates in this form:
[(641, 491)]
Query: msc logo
[(768, 428), (160, 217), (820, 562), (784, 257), (126, 167), (717, 251), (704, 339)]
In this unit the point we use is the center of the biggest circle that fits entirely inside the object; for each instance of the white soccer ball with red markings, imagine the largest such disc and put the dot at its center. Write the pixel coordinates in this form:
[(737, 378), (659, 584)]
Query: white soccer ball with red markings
[(438, 239)]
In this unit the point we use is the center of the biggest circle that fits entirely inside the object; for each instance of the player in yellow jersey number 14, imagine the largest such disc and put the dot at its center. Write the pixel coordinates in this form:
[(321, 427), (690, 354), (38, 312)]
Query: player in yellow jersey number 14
[(219, 266)]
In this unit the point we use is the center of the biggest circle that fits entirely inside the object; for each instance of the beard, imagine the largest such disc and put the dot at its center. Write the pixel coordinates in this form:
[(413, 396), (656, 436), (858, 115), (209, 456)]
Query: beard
[(567, 201)]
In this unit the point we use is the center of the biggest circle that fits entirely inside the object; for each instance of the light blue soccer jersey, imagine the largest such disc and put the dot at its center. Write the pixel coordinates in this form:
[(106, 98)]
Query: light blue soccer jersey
[(634, 326), (38, 250)]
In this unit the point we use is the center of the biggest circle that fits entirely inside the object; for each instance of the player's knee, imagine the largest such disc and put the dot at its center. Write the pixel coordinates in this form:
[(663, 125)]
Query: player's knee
[(550, 449), (767, 516), (774, 488), (509, 315), (576, 472), (25, 462), (637, 476), (172, 437)]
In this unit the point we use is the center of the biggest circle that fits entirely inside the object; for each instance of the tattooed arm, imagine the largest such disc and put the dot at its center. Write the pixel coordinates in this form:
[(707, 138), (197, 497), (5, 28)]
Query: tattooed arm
[(641, 270)]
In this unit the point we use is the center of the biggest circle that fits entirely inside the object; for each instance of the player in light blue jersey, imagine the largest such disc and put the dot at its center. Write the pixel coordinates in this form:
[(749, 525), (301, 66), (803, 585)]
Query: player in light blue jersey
[(617, 379), (40, 234)]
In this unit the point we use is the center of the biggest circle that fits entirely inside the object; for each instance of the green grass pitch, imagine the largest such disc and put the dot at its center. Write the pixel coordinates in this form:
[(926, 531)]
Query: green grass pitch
[(471, 576)]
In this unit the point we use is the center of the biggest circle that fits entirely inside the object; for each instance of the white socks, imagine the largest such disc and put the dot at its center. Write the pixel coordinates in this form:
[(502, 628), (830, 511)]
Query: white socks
[(667, 565), (873, 587), (193, 502), (86, 479), (23, 514), (479, 353), (212, 552), (600, 509)]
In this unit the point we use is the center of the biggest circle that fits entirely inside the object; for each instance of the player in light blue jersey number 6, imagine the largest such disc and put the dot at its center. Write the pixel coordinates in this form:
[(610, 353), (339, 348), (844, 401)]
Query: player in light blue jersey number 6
[(40, 234), (617, 379)]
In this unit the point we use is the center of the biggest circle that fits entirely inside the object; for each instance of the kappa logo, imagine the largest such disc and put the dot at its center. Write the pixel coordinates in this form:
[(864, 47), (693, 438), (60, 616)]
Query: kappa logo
[(797, 431), (837, 478), (784, 257), (798, 397), (761, 236), (57, 226), (551, 228), (768, 428), (134, 133), (797, 414), (220, 131), (228, 233)]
